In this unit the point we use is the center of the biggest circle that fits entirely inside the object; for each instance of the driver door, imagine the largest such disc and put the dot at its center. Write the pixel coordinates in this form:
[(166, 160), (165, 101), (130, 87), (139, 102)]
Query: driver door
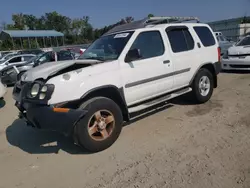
[(150, 75)]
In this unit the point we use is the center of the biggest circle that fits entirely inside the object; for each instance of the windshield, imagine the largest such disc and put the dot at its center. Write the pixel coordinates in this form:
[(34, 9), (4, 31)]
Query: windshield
[(8, 56), (33, 59), (43, 58), (2, 61), (107, 47), (245, 41)]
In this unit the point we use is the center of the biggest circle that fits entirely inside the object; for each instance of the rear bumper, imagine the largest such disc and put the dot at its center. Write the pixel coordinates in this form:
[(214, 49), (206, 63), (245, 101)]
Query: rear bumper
[(50, 118)]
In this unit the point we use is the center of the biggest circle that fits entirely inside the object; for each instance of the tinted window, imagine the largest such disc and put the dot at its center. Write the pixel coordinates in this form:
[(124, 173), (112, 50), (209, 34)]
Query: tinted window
[(15, 60), (180, 40), (205, 35), (149, 43), (26, 58), (64, 55)]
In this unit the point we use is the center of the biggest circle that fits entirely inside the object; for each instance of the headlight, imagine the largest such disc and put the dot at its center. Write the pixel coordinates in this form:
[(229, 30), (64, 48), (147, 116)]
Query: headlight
[(35, 90), (39, 91)]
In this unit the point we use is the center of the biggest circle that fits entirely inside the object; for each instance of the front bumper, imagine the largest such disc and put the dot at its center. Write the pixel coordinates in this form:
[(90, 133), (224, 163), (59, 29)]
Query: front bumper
[(9, 79), (60, 118), (236, 64), (50, 118)]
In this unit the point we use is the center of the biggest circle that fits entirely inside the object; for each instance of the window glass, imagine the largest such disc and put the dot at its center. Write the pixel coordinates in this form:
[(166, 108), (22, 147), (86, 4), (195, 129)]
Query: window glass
[(205, 35), (26, 58), (15, 60), (244, 42), (108, 47), (64, 55), (149, 43), (180, 40)]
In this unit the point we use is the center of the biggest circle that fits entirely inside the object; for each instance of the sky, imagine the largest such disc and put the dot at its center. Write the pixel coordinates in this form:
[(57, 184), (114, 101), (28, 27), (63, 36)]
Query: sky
[(110, 11)]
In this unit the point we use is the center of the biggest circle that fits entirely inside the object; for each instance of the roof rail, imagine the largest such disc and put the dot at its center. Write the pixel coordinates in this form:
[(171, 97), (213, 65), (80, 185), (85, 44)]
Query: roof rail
[(151, 22)]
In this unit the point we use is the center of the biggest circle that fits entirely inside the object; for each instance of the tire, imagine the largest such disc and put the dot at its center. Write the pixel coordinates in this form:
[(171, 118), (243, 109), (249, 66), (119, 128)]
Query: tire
[(81, 132), (197, 95)]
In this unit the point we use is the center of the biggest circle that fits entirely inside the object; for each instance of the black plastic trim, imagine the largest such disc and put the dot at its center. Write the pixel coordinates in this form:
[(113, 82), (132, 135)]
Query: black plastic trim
[(132, 84)]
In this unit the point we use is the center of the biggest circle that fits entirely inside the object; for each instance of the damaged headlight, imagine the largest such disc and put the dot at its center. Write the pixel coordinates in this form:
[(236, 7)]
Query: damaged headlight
[(40, 91), (34, 90)]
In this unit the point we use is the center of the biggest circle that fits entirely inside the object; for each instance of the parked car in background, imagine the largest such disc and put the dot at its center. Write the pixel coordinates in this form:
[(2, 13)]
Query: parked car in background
[(33, 51), (3, 90), (237, 57), (3, 53), (15, 60), (11, 74), (223, 42), (8, 55)]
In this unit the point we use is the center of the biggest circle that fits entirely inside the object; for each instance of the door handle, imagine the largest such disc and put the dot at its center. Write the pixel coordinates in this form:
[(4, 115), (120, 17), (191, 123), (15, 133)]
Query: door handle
[(166, 62)]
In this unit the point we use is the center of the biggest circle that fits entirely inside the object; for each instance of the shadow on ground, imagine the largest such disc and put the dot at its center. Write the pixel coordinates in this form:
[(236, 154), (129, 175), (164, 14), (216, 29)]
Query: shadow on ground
[(35, 141), (2, 103)]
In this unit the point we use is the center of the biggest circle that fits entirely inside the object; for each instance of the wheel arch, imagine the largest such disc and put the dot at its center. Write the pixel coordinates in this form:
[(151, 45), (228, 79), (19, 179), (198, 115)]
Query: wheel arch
[(109, 91), (209, 66)]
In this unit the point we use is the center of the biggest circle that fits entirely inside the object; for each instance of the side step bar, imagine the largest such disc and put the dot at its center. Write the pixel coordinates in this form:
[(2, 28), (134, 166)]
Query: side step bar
[(159, 100)]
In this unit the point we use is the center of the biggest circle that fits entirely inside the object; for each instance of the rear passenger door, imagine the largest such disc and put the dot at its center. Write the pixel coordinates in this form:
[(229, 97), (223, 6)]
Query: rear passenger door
[(184, 54)]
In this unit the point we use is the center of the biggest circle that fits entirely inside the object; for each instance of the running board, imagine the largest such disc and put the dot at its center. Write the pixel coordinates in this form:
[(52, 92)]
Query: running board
[(159, 100)]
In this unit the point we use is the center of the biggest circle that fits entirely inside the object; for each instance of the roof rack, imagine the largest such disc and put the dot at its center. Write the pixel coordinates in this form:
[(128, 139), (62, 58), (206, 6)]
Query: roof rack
[(149, 22)]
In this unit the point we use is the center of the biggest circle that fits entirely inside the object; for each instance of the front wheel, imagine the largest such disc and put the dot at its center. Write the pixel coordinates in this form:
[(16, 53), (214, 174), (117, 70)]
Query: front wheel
[(101, 126), (203, 86)]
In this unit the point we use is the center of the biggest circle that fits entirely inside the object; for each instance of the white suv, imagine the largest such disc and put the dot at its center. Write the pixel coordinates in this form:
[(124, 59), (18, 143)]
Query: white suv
[(130, 68)]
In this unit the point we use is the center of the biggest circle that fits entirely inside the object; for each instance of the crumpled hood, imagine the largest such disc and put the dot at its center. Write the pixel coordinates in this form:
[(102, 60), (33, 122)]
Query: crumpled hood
[(238, 50), (48, 69)]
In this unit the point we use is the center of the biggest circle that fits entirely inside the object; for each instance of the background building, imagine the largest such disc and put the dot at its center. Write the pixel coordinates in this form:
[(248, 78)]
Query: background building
[(232, 28)]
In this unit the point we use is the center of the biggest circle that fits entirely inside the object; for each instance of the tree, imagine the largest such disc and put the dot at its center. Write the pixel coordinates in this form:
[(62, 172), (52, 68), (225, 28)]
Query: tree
[(30, 21), (76, 31), (19, 21), (150, 15)]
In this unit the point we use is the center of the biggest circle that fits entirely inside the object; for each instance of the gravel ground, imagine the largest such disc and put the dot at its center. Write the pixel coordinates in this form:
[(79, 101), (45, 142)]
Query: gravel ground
[(177, 145)]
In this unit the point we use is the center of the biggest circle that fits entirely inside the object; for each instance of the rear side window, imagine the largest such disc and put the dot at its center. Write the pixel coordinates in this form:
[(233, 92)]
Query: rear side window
[(205, 35), (180, 40)]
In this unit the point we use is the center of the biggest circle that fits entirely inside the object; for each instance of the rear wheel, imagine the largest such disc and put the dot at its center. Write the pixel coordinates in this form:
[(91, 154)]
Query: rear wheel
[(202, 86), (101, 126)]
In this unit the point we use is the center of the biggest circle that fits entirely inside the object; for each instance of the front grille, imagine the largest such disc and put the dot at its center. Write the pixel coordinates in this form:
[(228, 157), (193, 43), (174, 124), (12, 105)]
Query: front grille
[(238, 55), (240, 66)]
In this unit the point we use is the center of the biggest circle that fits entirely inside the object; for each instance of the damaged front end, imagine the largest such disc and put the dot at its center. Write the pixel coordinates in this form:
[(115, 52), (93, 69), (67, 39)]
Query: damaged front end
[(32, 102)]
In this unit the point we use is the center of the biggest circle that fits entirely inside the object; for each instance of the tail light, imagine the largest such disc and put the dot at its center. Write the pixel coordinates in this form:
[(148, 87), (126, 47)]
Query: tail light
[(219, 54)]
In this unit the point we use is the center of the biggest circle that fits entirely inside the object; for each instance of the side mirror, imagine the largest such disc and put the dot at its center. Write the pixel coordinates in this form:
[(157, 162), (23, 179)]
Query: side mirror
[(132, 55)]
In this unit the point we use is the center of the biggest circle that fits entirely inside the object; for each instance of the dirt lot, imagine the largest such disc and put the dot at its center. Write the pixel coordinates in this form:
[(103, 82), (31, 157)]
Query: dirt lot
[(183, 145)]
